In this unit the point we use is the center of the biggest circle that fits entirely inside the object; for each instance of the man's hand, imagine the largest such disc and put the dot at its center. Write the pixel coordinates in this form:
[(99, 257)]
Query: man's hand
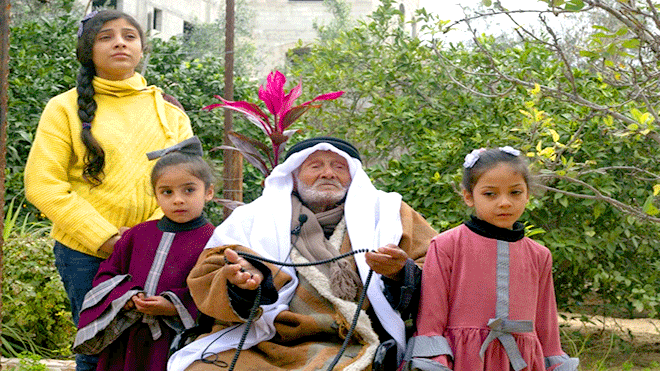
[(388, 261), (240, 272)]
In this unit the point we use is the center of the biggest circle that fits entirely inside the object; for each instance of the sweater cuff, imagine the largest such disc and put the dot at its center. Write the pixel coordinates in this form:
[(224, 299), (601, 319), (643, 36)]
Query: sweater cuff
[(96, 234), (88, 237)]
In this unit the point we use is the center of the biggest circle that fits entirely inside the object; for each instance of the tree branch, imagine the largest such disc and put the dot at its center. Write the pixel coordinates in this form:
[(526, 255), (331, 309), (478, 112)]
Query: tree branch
[(628, 209)]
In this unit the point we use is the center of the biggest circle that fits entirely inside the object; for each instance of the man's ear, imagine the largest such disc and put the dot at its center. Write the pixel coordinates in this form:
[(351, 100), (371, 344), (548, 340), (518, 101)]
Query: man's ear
[(467, 197)]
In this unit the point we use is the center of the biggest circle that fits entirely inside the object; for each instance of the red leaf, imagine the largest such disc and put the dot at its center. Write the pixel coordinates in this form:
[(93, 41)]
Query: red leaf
[(247, 140), (289, 99), (329, 96), (291, 116), (250, 150), (273, 93)]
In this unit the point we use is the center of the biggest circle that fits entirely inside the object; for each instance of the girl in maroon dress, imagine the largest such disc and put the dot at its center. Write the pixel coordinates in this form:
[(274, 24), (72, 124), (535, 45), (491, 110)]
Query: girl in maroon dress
[(140, 299), (487, 300)]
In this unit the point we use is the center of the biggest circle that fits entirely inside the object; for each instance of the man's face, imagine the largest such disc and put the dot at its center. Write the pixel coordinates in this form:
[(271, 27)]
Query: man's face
[(323, 179)]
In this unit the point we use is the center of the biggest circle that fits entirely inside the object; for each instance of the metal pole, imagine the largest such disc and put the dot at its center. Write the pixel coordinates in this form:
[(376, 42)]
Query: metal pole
[(233, 160)]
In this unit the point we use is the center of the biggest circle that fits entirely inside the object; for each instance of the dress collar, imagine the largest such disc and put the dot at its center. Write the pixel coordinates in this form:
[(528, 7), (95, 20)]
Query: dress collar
[(486, 229), (167, 225)]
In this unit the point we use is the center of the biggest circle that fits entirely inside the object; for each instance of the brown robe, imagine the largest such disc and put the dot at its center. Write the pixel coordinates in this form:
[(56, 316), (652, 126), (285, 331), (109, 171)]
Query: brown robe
[(310, 333)]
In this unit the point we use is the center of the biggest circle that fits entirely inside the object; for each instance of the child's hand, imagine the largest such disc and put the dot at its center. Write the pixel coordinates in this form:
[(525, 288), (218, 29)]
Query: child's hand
[(154, 305), (240, 272), (387, 261), (130, 305)]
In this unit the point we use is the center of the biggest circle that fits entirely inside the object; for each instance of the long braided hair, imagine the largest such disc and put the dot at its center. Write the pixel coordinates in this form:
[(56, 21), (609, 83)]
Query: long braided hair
[(95, 157)]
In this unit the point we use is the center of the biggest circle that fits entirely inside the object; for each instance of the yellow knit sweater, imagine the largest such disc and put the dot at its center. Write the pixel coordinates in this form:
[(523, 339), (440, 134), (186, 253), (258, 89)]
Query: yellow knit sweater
[(131, 120)]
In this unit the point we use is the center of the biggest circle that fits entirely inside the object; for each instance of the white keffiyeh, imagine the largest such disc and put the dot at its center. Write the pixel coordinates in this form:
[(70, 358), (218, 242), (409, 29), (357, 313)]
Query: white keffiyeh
[(372, 218)]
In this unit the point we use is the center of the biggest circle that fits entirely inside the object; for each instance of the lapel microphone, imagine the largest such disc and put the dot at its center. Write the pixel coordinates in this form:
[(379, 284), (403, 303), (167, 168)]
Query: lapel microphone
[(302, 218)]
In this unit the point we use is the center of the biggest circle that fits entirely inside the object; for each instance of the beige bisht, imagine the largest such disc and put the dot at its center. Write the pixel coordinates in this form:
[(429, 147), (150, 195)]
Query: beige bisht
[(305, 328)]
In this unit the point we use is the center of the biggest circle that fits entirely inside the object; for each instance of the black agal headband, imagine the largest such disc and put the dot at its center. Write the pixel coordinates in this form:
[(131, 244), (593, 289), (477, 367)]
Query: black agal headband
[(341, 145)]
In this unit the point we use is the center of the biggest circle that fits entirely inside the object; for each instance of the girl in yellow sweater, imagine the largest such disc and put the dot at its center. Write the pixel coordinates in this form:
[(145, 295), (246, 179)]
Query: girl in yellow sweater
[(86, 170)]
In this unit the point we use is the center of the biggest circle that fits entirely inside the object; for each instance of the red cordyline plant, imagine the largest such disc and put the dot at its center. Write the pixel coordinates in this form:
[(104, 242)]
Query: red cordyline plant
[(280, 105)]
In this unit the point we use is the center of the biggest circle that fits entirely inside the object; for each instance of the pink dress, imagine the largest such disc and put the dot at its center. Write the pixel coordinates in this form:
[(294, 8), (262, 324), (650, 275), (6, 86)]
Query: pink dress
[(487, 290)]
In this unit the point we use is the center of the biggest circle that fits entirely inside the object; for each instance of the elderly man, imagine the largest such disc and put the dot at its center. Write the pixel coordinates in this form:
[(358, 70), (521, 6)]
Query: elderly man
[(316, 205)]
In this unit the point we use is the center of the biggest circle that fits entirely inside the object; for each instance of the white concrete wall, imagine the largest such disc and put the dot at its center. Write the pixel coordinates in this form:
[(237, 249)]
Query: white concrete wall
[(174, 13), (280, 24)]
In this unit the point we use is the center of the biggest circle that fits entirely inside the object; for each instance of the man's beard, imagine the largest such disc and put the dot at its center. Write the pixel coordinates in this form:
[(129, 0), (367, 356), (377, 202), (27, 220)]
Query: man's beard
[(318, 200)]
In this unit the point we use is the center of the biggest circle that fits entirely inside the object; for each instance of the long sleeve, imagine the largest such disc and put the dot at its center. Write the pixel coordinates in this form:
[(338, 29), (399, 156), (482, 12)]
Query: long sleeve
[(433, 312), (128, 271), (416, 236), (118, 262), (546, 323), (112, 282), (47, 182), (210, 289)]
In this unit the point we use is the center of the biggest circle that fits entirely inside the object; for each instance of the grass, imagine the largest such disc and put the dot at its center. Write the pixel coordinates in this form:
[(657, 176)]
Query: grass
[(606, 351)]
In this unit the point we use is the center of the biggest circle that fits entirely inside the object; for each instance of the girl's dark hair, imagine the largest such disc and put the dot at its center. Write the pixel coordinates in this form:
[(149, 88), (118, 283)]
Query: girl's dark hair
[(490, 158), (95, 157), (195, 165)]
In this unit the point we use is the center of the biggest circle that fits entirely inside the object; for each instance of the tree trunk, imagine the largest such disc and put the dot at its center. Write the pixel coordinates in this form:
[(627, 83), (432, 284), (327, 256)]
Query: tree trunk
[(233, 160), (4, 75)]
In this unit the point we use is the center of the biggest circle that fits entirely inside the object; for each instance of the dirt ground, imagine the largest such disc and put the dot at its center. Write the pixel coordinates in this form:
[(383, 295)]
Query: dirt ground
[(643, 330), (606, 343)]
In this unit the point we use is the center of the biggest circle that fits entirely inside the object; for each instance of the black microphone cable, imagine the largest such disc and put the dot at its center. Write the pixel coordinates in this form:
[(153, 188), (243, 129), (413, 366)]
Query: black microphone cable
[(296, 232), (255, 306)]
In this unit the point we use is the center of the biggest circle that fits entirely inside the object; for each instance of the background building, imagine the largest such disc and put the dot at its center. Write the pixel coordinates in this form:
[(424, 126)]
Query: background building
[(277, 26)]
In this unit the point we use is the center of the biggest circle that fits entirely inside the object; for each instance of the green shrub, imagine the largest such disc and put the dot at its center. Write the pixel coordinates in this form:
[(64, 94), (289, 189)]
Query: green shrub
[(42, 64), (36, 315)]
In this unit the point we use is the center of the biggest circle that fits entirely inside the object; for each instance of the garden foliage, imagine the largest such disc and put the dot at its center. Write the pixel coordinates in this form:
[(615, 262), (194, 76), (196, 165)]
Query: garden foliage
[(416, 108), (35, 308)]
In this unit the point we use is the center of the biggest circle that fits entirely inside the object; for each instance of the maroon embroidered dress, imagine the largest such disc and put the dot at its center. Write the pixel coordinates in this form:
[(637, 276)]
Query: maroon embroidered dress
[(487, 303), (154, 257)]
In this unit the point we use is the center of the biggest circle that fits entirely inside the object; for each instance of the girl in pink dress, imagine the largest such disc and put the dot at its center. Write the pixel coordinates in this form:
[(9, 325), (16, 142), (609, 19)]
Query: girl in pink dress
[(487, 300)]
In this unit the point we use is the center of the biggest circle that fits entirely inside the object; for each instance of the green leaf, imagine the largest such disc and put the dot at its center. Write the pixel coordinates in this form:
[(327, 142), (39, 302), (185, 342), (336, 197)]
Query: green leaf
[(621, 31), (574, 5), (631, 44), (649, 208), (598, 209)]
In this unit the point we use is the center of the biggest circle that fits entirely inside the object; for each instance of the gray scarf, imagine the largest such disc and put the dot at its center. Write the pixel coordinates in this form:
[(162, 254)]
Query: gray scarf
[(313, 245)]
